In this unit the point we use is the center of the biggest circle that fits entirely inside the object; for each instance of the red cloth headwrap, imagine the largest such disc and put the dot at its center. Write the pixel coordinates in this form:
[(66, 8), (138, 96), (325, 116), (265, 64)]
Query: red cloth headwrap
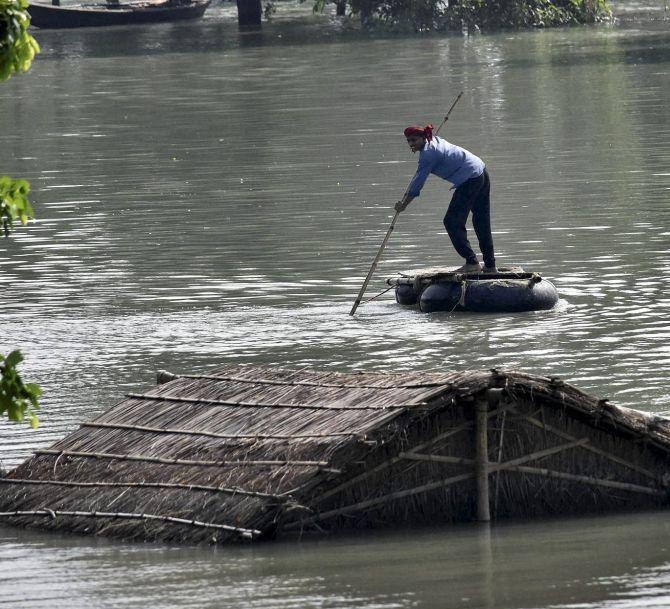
[(426, 132)]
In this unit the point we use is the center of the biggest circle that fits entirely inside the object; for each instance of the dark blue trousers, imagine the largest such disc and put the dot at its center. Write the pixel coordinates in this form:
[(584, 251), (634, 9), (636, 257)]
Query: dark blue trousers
[(471, 196)]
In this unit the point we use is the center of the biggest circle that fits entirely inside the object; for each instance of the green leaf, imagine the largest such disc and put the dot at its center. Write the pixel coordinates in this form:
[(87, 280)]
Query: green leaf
[(23, 186), (14, 359), (34, 389), (18, 399), (14, 204), (17, 46)]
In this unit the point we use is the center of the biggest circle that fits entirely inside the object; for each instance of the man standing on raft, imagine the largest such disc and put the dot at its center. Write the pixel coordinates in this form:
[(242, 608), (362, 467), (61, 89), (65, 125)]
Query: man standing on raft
[(468, 174)]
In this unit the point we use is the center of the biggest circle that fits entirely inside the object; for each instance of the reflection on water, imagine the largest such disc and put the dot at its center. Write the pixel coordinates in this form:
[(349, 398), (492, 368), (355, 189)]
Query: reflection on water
[(207, 196), (585, 563)]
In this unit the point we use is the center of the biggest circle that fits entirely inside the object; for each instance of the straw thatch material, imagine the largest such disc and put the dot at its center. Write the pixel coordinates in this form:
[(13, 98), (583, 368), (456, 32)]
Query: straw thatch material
[(252, 453)]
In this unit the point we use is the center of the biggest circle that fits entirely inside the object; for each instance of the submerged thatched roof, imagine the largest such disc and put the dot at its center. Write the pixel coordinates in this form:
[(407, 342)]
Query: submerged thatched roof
[(239, 451)]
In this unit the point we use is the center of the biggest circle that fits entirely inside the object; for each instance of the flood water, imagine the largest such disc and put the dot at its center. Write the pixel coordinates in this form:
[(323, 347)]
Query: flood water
[(205, 196)]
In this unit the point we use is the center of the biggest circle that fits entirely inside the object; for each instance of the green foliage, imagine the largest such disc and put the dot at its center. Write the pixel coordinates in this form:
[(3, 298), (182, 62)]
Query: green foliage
[(474, 14), (17, 50), (526, 13), (17, 46), (17, 399), (14, 204)]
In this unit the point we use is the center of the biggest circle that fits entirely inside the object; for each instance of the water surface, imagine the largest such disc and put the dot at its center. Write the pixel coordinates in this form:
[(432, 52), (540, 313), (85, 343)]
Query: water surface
[(205, 196)]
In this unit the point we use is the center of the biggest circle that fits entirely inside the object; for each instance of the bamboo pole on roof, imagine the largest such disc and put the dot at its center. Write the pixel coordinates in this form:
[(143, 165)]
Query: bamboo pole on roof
[(167, 377), (239, 404), (142, 485), (412, 456), (625, 486), (592, 480), (222, 463), (209, 434), (248, 533)]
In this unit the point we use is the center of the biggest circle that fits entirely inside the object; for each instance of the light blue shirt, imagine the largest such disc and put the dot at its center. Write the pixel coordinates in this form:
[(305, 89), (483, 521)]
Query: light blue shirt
[(447, 161)]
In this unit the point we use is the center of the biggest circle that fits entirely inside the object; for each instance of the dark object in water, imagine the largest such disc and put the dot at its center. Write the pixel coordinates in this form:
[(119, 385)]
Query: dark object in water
[(54, 15), (509, 290), (245, 453)]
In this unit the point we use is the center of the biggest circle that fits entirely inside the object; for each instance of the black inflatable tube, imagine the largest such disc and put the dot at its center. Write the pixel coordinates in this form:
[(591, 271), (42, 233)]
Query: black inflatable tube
[(488, 295)]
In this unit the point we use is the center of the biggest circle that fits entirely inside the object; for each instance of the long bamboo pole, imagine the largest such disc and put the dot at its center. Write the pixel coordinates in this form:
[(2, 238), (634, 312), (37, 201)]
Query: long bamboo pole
[(222, 436), (261, 381), (624, 486), (278, 405), (187, 462), (417, 400), (53, 514), (145, 485), (392, 226)]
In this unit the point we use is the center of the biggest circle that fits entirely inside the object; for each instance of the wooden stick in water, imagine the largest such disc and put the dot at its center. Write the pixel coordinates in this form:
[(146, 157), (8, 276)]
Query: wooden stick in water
[(374, 264)]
